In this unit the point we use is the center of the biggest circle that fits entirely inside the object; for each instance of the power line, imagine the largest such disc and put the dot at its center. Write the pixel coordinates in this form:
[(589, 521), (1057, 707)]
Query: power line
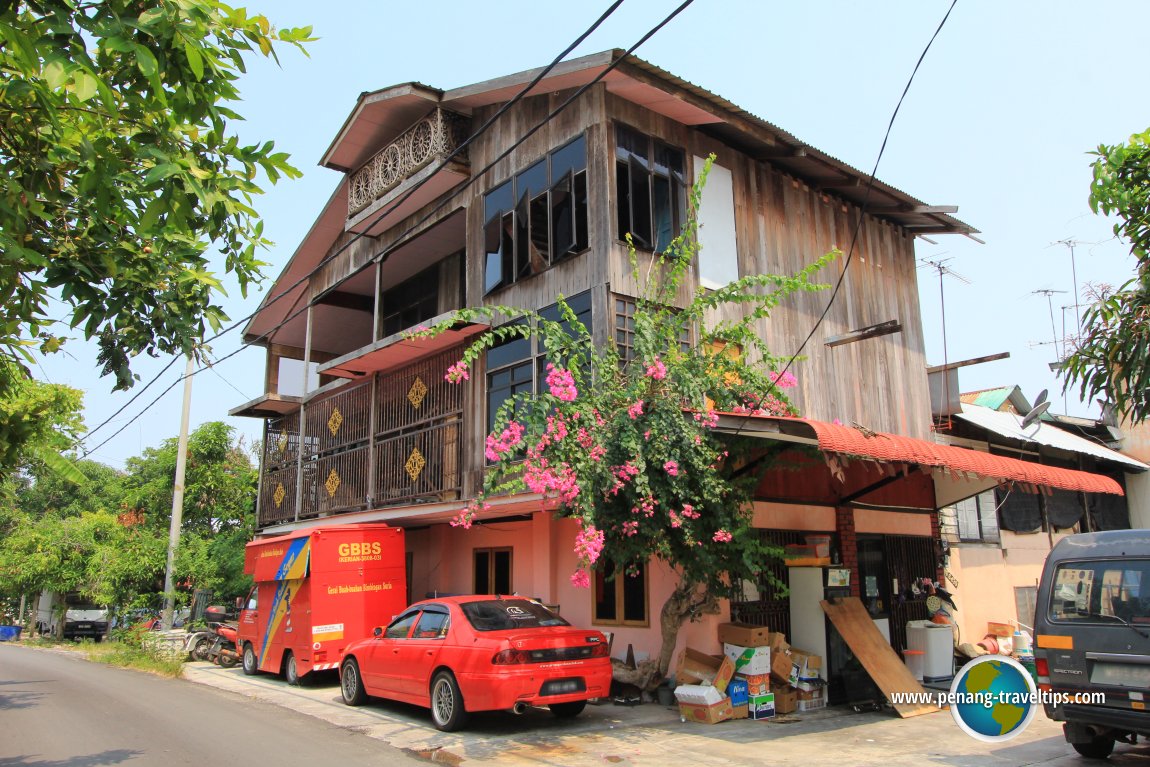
[(862, 215), (474, 178), (382, 214)]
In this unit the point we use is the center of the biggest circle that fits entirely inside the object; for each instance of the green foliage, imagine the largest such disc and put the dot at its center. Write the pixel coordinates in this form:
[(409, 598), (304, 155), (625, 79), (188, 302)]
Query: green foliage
[(627, 446), (37, 420), (1112, 357), (107, 538), (139, 650), (120, 171)]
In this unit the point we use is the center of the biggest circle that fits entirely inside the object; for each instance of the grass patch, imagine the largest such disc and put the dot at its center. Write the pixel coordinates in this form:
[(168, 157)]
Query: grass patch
[(155, 659)]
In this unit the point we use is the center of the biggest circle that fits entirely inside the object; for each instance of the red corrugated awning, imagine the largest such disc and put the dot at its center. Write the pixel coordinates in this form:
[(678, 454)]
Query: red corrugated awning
[(879, 446)]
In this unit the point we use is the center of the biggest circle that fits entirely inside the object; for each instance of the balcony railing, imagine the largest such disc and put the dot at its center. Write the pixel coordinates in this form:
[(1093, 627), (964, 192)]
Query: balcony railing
[(430, 139), (411, 454)]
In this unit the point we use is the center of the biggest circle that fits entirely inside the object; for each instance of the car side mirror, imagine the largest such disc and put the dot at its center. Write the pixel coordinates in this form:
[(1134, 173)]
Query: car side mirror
[(239, 603)]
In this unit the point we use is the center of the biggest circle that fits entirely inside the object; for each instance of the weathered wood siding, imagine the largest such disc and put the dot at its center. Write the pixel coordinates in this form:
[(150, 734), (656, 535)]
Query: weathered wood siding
[(782, 225)]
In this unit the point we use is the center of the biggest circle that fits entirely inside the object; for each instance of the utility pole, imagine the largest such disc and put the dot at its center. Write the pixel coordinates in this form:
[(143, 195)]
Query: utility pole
[(177, 500)]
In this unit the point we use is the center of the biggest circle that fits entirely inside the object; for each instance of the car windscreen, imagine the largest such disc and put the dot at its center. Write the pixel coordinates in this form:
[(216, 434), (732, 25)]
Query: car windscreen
[(505, 614), (1094, 591)]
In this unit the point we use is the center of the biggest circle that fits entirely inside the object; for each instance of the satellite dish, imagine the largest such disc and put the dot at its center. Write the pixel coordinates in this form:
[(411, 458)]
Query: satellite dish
[(1033, 415), (1040, 398)]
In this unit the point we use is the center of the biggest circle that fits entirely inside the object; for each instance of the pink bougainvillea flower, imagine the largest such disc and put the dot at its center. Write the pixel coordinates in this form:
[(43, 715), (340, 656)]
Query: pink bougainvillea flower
[(561, 383), (580, 580), (657, 370), (784, 380), (511, 436), (722, 536), (672, 468), (630, 528), (589, 544), (457, 373), (635, 410)]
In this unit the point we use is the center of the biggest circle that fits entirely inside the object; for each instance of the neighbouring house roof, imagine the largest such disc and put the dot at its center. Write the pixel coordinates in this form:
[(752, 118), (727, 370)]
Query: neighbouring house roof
[(997, 397), (1010, 426), (883, 447)]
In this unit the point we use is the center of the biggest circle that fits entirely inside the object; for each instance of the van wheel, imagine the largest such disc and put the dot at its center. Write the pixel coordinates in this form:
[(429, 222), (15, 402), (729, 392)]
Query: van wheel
[(251, 663), (447, 711), (1099, 748), (351, 684), (291, 673)]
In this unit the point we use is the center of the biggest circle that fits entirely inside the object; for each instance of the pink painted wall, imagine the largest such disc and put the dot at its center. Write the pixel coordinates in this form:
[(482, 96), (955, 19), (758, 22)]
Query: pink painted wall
[(789, 516), (891, 522)]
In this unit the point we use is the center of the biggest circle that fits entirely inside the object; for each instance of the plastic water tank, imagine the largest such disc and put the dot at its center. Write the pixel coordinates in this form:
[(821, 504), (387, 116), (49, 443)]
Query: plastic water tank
[(936, 642)]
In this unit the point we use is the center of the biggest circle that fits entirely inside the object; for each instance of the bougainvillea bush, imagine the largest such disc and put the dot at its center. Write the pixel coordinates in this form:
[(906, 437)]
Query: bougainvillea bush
[(626, 445)]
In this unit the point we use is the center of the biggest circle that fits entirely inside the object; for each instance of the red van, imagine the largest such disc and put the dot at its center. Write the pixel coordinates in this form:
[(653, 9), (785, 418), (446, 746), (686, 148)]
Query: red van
[(315, 592)]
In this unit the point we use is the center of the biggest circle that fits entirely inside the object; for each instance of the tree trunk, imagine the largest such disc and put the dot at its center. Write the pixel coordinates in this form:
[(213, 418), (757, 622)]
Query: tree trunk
[(688, 601)]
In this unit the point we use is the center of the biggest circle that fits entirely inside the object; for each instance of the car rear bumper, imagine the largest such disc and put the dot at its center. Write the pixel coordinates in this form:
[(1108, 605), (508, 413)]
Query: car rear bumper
[(525, 684), (1124, 719)]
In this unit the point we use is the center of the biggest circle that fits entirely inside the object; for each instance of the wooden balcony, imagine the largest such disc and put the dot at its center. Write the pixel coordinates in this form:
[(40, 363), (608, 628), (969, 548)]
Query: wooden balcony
[(428, 141), (392, 439)]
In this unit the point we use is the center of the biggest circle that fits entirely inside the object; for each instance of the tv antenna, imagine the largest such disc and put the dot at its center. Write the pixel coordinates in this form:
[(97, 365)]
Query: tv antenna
[(1053, 328), (941, 265), (1070, 245)]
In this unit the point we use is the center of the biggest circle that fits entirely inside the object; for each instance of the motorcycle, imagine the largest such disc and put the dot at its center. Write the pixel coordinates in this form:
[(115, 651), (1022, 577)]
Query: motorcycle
[(216, 642), (223, 650)]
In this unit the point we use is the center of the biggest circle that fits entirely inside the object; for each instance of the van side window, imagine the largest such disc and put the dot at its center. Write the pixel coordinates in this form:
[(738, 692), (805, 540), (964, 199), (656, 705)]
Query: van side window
[(1087, 591), (253, 598)]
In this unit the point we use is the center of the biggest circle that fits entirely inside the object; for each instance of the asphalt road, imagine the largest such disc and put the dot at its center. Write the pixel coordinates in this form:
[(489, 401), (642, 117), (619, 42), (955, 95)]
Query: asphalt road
[(57, 709)]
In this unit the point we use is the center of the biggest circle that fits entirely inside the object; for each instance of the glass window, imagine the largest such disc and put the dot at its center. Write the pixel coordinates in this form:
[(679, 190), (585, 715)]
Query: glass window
[(411, 302), (492, 571), (620, 598), (431, 625), (254, 598), (537, 218), (1090, 592), (650, 189), (504, 614), (401, 626), (515, 366)]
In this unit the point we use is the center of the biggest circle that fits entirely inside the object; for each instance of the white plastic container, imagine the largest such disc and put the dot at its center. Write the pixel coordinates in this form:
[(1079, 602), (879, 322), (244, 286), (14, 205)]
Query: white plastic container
[(937, 645)]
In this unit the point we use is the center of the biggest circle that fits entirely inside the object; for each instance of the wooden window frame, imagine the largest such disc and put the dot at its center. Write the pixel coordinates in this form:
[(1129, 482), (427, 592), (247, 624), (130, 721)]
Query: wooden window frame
[(491, 552), (617, 584), (632, 164)]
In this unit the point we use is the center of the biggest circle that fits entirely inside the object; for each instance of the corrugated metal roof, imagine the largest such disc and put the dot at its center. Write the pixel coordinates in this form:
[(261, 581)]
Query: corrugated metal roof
[(1008, 425)]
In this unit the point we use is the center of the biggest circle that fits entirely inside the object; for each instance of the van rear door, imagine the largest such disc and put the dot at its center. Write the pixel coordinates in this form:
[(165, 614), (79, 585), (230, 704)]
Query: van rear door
[(1095, 629)]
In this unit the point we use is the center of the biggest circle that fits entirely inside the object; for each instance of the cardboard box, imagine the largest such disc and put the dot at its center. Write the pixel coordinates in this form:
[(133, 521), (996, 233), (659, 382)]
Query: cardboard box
[(782, 666), (738, 691), (786, 699), (749, 660), (739, 712), (699, 668), (761, 706), (757, 684), (808, 685), (804, 665), (712, 714), (698, 694), (744, 634)]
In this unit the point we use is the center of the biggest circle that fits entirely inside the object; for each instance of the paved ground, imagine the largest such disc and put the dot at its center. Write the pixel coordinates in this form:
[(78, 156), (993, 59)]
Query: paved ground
[(653, 736)]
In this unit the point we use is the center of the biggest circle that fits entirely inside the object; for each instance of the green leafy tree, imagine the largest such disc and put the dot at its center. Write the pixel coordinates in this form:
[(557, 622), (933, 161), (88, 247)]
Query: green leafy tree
[(1112, 357), (37, 421), (626, 446), (120, 171)]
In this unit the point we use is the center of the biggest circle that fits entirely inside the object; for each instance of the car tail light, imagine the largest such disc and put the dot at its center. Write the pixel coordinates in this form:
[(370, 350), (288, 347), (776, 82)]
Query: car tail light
[(1042, 669), (510, 657), (600, 651)]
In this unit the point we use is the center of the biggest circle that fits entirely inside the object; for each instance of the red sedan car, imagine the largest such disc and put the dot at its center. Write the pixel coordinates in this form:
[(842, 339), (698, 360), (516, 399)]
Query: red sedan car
[(456, 655)]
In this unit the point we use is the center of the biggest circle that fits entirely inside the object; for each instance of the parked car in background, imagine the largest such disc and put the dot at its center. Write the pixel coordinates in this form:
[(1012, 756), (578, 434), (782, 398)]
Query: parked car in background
[(71, 617), (458, 655), (1092, 638)]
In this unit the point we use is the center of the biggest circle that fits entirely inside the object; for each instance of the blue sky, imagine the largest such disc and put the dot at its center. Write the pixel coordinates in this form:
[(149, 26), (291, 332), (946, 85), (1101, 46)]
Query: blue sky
[(999, 121)]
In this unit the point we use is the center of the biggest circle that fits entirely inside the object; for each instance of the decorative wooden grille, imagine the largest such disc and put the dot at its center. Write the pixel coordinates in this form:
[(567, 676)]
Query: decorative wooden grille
[(429, 140)]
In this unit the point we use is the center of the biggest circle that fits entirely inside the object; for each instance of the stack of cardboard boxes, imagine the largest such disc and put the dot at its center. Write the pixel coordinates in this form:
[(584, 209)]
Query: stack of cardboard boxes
[(759, 675)]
